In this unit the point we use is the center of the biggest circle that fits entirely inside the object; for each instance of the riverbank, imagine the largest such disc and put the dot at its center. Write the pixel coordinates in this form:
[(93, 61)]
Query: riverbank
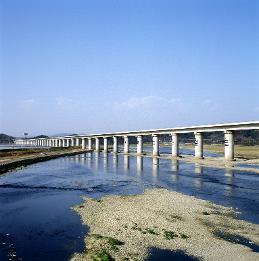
[(127, 227), (241, 151), (12, 159)]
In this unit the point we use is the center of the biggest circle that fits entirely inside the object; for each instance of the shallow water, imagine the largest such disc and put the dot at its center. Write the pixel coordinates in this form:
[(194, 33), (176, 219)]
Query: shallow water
[(36, 222)]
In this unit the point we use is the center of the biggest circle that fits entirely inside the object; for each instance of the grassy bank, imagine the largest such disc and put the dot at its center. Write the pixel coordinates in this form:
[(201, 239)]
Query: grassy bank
[(127, 227)]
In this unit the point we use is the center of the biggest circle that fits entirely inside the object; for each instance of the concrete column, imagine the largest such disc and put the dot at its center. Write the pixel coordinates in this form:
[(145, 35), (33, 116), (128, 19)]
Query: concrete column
[(139, 145), (229, 145), (73, 142), (198, 145), (97, 144), (175, 145), (115, 144), (77, 142), (83, 143), (89, 143), (68, 142), (155, 145), (126, 144), (56, 142), (105, 144), (62, 143)]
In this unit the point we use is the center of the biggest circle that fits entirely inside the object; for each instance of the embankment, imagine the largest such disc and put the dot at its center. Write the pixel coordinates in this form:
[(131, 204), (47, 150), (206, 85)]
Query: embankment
[(16, 159)]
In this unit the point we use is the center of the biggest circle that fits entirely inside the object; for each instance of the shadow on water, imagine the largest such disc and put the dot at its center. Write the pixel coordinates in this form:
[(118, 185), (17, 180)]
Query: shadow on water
[(36, 219), (157, 254)]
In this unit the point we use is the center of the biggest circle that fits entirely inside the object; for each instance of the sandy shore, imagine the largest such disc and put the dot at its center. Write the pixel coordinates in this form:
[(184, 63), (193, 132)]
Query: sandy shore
[(19, 158), (126, 227)]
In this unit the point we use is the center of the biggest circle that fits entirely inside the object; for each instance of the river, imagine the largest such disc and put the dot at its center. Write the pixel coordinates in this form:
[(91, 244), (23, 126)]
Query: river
[(36, 219)]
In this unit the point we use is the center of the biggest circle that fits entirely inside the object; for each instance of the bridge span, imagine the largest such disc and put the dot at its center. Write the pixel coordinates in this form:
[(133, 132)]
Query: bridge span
[(86, 140)]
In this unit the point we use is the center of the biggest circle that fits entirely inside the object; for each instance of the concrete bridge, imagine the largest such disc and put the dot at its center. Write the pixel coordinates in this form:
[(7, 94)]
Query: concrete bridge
[(86, 141)]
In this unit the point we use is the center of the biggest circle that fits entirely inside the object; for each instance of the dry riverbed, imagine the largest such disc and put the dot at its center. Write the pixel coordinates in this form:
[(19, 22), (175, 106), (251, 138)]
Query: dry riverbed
[(126, 227)]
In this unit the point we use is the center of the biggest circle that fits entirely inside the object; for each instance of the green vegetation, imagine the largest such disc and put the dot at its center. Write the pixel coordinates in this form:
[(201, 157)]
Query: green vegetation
[(102, 256), (113, 242), (183, 236), (169, 234), (146, 230), (150, 231)]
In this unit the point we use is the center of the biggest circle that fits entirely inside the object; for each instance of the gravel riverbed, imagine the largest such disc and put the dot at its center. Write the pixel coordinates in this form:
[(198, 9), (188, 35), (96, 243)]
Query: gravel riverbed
[(127, 227)]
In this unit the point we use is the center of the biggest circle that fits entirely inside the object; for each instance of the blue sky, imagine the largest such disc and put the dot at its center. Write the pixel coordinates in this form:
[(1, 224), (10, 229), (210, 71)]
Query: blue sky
[(88, 66)]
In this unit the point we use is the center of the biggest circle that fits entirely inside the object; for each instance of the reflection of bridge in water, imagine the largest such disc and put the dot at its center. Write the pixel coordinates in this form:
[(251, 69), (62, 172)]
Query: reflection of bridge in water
[(156, 169), (175, 133)]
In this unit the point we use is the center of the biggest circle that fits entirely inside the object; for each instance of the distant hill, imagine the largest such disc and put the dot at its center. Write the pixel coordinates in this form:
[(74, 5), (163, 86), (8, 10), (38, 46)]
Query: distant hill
[(6, 139)]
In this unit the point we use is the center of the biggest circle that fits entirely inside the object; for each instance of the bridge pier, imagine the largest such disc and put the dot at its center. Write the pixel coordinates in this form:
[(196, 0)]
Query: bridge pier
[(105, 144), (155, 145), (198, 145), (73, 142), (126, 144), (229, 145), (175, 145), (89, 143), (83, 143), (77, 142), (115, 144), (139, 145), (97, 144)]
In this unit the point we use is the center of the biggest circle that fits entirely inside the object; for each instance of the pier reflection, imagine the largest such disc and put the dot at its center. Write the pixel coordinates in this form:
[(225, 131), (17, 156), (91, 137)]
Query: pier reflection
[(105, 160), (115, 161), (198, 170), (155, 167), (229, 175), (126, 163), (139, 165), (175, 169)]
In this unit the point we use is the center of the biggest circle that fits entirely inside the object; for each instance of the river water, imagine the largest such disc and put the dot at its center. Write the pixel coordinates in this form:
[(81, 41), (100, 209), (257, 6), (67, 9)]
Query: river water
[(36, 219)]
